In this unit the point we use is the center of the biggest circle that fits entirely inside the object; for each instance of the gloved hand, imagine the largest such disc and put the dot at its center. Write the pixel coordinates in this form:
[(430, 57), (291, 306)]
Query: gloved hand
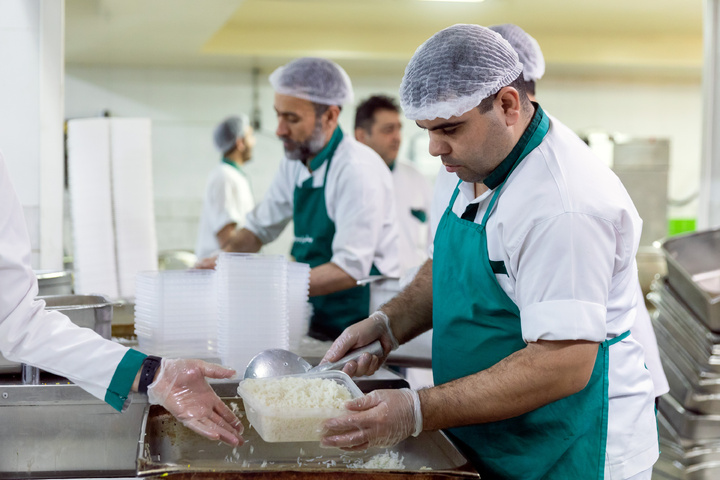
[(385, 418), (206, 263), (181, 388), (358, 335)]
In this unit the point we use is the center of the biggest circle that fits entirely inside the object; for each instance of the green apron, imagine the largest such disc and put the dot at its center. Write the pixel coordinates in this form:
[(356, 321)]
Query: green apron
[(475, 325), (314, 232)]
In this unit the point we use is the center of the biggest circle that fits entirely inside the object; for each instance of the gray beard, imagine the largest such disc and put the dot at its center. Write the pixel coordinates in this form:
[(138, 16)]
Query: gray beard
[(309, 148)]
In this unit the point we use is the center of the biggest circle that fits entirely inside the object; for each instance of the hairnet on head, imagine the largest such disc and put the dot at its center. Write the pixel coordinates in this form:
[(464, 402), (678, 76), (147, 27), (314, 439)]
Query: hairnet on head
[(527, 48), (227, 133), (454, 70), (314, 79)]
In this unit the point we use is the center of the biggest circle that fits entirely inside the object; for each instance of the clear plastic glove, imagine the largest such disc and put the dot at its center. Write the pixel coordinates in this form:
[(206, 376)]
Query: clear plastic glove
[(181, 388), (384, 418), (206, 263), (375, 327)]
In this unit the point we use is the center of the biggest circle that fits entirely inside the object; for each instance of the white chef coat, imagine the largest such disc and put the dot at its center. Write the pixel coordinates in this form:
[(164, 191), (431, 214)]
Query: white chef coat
[(358, 198), (228, 199), (413, 193), (567, 232), (643, 332), (46, 339)]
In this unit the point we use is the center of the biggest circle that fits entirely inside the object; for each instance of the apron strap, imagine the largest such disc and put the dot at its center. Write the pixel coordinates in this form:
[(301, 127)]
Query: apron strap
[(617, 339)]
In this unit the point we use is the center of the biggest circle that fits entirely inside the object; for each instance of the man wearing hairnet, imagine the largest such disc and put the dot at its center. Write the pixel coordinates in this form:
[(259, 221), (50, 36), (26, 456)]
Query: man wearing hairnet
[(531, 57), (530, 291), (337, 191), (228, 197), (106, 369)]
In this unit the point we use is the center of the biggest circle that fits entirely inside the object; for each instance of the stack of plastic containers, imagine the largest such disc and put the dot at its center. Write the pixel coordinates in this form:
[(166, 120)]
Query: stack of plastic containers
[(298, 288), (252, 306), (176, 313)]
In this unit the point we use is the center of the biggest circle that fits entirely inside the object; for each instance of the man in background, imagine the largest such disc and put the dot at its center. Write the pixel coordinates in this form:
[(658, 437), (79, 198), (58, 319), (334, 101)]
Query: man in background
[(228, 196), (377, 125)]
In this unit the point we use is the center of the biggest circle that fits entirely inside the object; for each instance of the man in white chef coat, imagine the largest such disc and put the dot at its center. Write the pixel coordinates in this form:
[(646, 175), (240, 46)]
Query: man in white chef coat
[(533, 61), (337, 191), (530, 290), (228, 196), (377, 125), (107, 370)]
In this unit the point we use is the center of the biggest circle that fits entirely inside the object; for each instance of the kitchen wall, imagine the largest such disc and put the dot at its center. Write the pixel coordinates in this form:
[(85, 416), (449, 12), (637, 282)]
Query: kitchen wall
[(184, 106)]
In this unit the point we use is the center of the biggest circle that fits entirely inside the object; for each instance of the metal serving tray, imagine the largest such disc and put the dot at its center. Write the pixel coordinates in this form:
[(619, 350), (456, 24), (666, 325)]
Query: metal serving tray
[(689, 425), (693, 263), (168, 448)]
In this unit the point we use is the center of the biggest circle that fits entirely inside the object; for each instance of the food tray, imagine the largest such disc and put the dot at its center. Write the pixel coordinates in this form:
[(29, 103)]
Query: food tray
[(276, 424), (169, 450), (698, 428), (693, 263)]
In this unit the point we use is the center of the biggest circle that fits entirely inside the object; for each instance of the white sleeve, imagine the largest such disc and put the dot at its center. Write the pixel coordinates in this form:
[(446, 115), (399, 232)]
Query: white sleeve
[(224, 199), (363, 199), (28, 333), (564, 268), (270, 217)]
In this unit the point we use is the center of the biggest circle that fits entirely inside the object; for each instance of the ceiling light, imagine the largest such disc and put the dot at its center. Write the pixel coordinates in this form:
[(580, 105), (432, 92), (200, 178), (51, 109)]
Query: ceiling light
[(457, 1)]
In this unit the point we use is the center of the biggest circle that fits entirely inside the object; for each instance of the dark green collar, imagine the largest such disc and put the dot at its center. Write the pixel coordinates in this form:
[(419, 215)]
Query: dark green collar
[(392, 166), (233, 164), (531, 138), (328, 150)]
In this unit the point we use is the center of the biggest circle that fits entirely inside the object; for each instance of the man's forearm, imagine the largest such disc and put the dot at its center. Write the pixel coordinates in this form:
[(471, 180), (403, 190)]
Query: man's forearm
[(410, 312), (537, 375), (329, 278), (243, 240)]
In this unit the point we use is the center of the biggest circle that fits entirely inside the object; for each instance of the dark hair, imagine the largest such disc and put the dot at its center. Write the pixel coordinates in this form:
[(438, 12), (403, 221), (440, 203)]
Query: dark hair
[(365, 113), (321, 108), (518, 84)]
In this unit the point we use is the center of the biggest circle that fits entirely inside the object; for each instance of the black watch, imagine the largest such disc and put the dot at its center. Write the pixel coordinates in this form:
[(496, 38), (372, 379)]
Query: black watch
[(147, 372)]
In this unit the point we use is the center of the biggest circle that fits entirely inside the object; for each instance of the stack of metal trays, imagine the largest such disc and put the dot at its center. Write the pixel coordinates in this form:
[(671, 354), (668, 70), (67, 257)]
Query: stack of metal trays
[(689, 416)]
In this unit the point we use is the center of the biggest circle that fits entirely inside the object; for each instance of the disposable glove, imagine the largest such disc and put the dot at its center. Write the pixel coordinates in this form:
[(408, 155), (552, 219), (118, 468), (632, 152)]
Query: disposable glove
[(384, 419), (375, 327), (181, 388), (208, 263)]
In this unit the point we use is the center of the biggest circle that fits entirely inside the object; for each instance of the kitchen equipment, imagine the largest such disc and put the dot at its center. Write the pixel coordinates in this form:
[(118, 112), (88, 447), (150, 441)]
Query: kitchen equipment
[(57, 430), (52, 282), (693, 265), (169, 450), (276, 362), (292, 424), (698, 428)]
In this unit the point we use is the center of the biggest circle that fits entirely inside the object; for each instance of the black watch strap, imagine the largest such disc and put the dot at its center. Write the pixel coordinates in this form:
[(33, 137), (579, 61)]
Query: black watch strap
[(147, 372)]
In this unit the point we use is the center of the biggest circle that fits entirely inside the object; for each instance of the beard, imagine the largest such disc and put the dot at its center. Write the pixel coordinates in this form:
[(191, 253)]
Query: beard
[(307, 148)]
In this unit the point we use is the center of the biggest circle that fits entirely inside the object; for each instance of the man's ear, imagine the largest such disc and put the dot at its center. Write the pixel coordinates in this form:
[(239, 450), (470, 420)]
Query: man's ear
[(332, 115), (240, 144), (360, 135), (509, 99)]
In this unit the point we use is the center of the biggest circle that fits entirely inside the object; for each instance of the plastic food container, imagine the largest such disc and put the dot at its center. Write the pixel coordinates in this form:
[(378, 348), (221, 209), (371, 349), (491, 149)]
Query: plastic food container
[(276, 423)]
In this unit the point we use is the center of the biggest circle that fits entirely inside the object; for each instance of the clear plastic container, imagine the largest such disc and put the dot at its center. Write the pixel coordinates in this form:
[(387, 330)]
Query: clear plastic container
[(283, 424)]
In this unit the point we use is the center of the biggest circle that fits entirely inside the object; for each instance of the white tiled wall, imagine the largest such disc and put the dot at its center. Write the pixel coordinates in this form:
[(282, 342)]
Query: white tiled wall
[(185, 105)]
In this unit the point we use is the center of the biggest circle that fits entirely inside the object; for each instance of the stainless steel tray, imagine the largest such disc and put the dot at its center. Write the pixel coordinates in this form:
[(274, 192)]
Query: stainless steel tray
[(693, 263), (696, 339), (167, 447), (687, 424)]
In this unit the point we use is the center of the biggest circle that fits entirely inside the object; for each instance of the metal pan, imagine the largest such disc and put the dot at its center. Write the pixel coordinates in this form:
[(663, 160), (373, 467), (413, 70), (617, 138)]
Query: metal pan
[(687, 424), (168, 448)]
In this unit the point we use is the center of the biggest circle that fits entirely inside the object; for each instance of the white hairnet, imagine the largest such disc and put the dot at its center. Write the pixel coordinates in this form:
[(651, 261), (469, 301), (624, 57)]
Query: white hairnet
[(227, 133), (454, 70), (314, 79), (527, 48)]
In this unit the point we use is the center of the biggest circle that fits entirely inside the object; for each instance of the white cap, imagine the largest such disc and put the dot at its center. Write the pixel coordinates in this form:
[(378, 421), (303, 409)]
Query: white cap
[(527, 48), (227, 133), (314, 79), (454, 70)]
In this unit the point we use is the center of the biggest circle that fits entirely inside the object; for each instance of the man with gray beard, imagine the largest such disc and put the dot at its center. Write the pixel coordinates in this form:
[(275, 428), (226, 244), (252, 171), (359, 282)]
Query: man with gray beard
[(337, 191)]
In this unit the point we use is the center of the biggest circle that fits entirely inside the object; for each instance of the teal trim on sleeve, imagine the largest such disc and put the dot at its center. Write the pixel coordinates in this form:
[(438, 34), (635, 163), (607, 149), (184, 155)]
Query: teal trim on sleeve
[(123, 379), (419, 214)]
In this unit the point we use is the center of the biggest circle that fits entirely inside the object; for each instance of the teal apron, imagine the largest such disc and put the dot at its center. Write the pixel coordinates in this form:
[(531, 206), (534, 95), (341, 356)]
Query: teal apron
[(475, 325), (314, 232)]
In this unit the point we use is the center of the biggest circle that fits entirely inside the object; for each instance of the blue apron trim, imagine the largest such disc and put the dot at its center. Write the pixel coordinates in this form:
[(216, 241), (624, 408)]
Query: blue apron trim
[(419, 214)]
